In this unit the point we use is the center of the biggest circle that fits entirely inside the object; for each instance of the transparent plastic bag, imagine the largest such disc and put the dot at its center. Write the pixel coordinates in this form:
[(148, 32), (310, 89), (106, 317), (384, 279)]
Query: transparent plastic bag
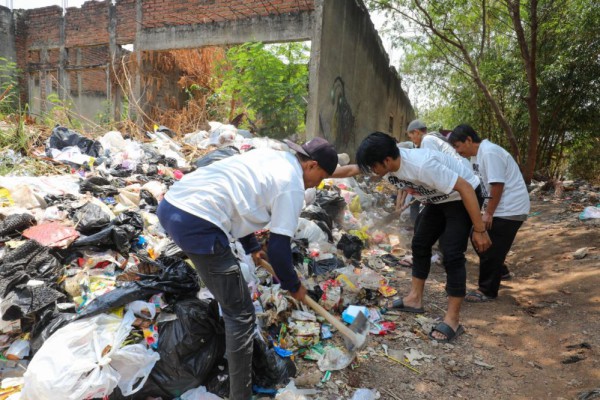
[(85, 360)]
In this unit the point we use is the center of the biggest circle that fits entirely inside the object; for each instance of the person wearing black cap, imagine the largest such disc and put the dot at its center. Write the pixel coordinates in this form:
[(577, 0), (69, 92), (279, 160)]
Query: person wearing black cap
[(229, 200)]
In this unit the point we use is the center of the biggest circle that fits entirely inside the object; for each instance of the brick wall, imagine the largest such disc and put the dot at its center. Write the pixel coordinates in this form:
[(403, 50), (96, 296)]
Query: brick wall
[(159, 13), (87, 25), (42, 27), (126, 21)]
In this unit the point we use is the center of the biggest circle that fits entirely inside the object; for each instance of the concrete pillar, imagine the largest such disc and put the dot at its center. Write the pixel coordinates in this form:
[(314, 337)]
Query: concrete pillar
[(63, 81), (114, 56), (312, 111), (137, 93)]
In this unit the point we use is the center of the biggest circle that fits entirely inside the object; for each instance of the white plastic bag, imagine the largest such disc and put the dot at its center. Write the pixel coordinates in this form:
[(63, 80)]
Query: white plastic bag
[(85, 360), (309, 230), (199, 393)]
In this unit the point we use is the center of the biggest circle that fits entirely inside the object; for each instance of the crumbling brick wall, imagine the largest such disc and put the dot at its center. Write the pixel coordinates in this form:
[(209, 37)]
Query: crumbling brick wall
[(75, 49)]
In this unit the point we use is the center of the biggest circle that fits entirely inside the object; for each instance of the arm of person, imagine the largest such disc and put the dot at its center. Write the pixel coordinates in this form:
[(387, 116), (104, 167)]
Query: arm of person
[(400, 199), (346, 171), (481, 239), (280, 255), (496, 191), (251, 246)]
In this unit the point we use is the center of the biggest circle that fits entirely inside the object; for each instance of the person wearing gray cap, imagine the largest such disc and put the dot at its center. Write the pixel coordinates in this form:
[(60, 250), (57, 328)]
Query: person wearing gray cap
[(417, 133), (230, 200)]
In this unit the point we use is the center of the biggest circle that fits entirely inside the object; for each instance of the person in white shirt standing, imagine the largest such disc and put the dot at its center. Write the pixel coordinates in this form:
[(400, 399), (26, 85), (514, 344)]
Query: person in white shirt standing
[(506, 210), (230, 200), (449, 190)]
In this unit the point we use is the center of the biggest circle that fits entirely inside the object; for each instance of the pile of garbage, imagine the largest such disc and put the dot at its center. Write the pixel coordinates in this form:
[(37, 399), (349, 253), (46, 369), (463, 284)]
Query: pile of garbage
[(97, 302)]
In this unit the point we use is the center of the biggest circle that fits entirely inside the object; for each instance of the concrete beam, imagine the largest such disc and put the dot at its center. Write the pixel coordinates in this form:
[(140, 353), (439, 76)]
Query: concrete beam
[(269, 29)]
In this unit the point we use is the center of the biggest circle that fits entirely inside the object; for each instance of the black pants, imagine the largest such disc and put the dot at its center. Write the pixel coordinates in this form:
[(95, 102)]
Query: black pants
[(502, 234), (221, 274), (451, 224)]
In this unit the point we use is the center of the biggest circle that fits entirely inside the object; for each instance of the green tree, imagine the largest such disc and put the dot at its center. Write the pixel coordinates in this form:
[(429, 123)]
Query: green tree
[(493, 58), (271, 83)]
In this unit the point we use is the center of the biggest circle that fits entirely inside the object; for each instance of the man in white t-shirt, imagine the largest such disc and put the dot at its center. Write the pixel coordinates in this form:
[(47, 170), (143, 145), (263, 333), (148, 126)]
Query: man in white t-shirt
[(231, 199), (417, 133), (448, 189), (507, 207)]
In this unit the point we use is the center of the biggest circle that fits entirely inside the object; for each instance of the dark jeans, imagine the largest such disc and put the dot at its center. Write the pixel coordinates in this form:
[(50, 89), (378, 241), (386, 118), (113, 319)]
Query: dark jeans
[(502, 234), (451, 224), (221, 274)]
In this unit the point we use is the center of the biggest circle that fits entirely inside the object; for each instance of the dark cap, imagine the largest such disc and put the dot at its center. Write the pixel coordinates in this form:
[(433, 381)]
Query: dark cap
[(416, 124), (320, 150)]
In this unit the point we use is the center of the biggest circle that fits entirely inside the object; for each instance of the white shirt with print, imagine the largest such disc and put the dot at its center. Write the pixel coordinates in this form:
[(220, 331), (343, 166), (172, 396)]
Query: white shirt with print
[(245, 193), (496, 165), (431, 174)]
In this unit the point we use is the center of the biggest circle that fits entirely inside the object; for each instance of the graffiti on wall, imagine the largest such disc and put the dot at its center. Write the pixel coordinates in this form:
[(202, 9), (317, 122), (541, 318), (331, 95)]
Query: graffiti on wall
[(342, 119)]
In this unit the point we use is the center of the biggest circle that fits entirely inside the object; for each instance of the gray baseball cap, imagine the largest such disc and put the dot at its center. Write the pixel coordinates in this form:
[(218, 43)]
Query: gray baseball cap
[(416, 124)]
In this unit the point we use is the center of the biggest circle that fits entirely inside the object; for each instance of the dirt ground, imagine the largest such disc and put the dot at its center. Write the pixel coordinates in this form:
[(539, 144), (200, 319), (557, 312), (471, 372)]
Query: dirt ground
[(539, 340)]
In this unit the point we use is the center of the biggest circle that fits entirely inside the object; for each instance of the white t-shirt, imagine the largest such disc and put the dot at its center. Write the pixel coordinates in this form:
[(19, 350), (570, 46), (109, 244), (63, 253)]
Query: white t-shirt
[(432, 174), (435, 143), (243, 194), (496, 165)]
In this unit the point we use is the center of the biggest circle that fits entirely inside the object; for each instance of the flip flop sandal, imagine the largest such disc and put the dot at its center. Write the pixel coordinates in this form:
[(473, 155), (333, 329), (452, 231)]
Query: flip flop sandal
[(476, 297), (447, 331), (399, 305)]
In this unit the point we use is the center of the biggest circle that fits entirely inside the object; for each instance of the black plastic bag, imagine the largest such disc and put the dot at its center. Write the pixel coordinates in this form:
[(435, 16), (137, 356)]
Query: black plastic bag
[(191, 348), (98, 186), (90, 218), (147, 199), (268, 368), (351, 246), (216, 155), (176, 277), (25, 300), (49, 322), (30, 260), (191, 352), (317, 213), (332, 203), (64, 137), (117, 235), (322, 267)]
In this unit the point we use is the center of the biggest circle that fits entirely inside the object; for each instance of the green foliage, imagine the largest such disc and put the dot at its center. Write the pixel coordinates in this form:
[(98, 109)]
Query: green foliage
[(583, 159), (9, 87), (60, 112), (271, 82), (15, 137), (104, 117), (568, 68)]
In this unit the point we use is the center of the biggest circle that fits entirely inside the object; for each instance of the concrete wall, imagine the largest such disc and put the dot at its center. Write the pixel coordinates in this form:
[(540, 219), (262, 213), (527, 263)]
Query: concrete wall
[(357, 91), (352, 89), (7, 35)]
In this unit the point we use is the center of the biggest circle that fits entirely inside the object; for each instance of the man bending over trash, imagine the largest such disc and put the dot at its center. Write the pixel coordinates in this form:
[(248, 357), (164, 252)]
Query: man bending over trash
[(231, 199), (448, 189)]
